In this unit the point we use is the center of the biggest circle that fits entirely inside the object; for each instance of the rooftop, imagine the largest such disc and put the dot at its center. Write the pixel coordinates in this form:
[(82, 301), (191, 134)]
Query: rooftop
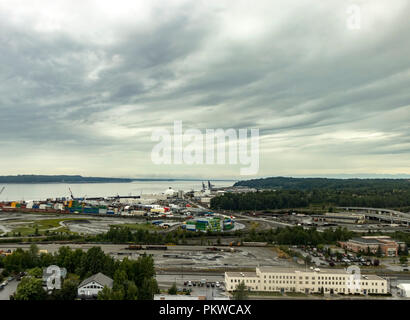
[(242, 274), (100, 278), (370, 277), (365, 240), (294, 270), (300, 271)]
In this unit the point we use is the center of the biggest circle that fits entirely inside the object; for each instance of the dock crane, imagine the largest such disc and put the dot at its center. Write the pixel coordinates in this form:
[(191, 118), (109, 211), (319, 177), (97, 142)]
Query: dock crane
[(210, 186), (72, 197)]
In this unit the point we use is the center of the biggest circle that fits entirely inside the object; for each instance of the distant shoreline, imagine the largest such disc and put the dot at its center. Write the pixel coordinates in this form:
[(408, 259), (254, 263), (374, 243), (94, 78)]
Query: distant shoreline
[(113, 181)]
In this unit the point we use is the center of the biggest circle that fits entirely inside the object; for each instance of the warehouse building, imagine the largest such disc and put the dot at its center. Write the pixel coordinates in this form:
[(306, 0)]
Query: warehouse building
[(385, 244), (329, 281)]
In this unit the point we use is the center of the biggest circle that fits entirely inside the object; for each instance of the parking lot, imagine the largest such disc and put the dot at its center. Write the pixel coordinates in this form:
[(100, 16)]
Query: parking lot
[(333, 257), (338, 258), (10, 286), (198, 284)]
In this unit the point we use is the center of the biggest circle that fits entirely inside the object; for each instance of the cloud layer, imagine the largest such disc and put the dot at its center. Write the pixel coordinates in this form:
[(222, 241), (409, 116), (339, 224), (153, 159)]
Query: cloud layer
[(83, 86)]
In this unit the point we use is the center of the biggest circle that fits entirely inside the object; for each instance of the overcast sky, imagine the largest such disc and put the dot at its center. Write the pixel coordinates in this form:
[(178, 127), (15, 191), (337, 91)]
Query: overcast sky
[(84, 83)]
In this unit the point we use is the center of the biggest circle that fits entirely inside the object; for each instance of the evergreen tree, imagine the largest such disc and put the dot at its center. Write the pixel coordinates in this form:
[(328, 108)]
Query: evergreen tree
[(173, 290), (241, 292)]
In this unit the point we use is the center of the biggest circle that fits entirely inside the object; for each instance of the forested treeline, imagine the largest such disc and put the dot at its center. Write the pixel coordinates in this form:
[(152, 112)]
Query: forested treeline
[(286, 183), (287, 199), (121, 234), (299, 236), (293, 236)]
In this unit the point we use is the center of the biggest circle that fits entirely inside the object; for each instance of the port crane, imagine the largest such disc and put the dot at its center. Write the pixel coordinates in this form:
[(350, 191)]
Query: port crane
[(72, 197), (210, 186)]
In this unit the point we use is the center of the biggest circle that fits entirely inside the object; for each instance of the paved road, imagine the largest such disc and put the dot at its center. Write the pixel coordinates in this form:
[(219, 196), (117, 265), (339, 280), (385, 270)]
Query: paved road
[(272, 222), (8, 290), (386, 214)]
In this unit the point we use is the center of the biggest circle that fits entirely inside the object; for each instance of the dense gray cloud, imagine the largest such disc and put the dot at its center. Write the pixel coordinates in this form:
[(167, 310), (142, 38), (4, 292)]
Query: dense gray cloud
[(83, 86)]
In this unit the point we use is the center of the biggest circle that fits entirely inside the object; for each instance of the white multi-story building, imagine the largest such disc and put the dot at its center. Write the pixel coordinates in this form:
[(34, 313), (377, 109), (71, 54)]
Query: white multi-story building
[(273, 279)]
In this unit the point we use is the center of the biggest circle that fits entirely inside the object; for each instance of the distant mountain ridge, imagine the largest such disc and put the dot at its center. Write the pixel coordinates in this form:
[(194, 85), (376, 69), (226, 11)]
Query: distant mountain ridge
[(60, 179), (32, 178)]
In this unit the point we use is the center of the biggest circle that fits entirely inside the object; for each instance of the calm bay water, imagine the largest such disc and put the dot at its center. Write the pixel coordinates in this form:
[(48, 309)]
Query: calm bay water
[(58, 190)]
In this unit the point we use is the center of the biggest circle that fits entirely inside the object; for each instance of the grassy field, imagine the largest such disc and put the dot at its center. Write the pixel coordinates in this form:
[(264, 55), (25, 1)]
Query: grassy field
[(141, 226), (42, 226)]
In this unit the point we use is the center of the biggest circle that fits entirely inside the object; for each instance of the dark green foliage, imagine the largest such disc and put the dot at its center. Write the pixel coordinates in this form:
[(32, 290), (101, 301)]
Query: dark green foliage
[(173, 290), (240, 293), (68, 291), (403, 260), (302, 192), (287, 199), (119, 234), (299, 236), (30, 289), (286, 183)]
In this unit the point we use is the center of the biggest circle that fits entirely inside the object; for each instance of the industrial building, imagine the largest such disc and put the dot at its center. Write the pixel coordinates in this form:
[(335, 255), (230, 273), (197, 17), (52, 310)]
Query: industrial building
[(328, 281), (373, 244), (204, 224), (214, 224)]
